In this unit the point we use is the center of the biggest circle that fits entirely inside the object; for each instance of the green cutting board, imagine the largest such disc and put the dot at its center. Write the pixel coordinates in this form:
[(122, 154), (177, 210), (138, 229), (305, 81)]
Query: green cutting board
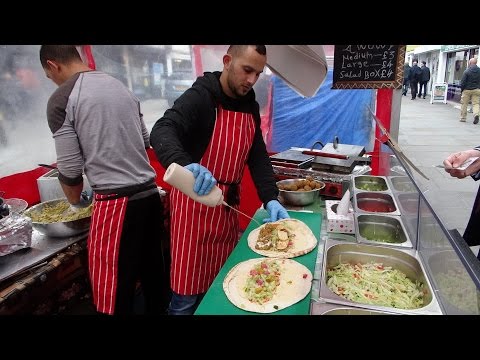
[(215, 302)]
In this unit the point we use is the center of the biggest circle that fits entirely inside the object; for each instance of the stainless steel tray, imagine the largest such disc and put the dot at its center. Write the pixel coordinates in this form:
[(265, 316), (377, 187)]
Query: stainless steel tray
[(401, 184), (404, 260), (382, 225), (455, 288), (368, 202), (368, 182), (335, 309)]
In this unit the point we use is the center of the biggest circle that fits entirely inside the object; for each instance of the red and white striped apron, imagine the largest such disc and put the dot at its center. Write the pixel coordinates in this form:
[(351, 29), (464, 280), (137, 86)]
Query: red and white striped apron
[(203, 237), (103, 245)]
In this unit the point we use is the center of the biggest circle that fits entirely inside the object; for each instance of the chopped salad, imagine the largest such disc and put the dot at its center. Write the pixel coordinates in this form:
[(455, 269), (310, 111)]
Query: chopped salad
[(376, 284), (263, 281)]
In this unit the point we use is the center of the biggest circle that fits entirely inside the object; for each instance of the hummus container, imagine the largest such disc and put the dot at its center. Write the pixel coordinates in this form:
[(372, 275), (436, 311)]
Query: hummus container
[(370, 183), (382, 230), (403, 260), (375, 203)]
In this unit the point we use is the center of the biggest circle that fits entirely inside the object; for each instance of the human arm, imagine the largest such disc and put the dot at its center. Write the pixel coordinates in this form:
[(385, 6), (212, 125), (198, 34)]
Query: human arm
[(145, 134), (454, 160), (261, 168), (463, 81), (184, 131), (67, 146)]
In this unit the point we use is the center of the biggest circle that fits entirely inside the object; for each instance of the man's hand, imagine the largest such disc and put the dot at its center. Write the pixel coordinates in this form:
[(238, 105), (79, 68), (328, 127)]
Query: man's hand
[(86, 198), (204, 180), (276, 211)]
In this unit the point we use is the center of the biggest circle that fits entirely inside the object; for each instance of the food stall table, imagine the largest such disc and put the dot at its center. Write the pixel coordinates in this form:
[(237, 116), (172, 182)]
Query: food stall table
[(215, 301), (30, 276)]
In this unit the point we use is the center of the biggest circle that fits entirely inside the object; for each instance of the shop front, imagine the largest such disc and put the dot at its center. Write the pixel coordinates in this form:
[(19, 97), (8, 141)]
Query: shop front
[(457, 57)]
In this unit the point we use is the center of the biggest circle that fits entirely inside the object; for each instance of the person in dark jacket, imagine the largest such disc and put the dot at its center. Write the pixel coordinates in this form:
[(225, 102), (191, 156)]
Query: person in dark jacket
[(406, 82), (213, 129), (424, 79), (452, 162), (470, 86), (414, 78)]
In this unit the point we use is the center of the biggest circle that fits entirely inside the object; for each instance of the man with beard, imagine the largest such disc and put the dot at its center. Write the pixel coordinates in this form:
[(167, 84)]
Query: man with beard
[(213, 129)]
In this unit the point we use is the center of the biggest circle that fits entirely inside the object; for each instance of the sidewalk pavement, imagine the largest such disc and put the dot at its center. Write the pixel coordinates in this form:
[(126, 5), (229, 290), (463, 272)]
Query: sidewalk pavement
[(428, 133)]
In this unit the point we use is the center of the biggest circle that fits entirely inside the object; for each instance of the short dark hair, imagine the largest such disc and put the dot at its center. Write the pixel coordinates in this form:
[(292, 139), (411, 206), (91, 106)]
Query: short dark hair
[(62, 53), (238, 49), (424, 62)]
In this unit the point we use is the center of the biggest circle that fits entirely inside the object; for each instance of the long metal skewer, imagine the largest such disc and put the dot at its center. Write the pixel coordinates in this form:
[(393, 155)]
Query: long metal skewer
[(231, 207)]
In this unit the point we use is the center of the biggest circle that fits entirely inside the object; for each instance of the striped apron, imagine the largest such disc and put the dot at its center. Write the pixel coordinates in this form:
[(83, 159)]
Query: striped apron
[(203, 237), (103, 248)]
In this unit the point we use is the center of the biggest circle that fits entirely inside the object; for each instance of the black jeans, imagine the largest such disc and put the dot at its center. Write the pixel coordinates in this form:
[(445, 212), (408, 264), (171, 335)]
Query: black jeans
[(423, 84), (405, 86), (414, 88)]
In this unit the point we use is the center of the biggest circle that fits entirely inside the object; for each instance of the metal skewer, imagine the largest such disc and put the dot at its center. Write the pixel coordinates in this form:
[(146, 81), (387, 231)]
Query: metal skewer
[(231, 207)]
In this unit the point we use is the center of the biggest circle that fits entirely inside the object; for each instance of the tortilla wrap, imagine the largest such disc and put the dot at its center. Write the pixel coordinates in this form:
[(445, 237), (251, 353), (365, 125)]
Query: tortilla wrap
[(295, 284), (304, 241)]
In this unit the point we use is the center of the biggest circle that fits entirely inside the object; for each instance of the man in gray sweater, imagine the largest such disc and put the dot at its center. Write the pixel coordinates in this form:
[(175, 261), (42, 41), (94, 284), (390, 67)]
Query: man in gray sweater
[(470, 85)]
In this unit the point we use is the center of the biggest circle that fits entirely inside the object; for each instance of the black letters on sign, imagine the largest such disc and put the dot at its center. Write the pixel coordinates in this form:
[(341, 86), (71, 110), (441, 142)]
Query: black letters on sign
[(368, 66)]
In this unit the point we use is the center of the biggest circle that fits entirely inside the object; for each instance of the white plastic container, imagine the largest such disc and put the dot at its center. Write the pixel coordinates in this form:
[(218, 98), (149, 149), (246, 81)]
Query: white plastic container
[(183, 180), (49, 187)]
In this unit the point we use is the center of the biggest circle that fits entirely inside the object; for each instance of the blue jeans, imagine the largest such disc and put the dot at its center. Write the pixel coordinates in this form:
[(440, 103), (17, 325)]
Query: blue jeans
[(184, 304)]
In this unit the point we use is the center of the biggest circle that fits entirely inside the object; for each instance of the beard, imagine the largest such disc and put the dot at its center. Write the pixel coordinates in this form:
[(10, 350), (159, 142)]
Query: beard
[(236, 91)]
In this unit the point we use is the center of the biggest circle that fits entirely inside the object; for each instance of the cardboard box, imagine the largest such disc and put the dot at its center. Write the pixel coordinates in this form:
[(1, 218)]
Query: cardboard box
[(339, 223)]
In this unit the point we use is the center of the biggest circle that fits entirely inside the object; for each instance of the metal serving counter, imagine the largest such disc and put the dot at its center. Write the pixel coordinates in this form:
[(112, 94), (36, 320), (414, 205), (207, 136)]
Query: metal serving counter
[(437, 257), (45, 278), (451, 269), (43, 247)]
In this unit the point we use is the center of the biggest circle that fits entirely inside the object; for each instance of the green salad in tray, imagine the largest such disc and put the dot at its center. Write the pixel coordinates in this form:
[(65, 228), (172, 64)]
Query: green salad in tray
[(376, 284)]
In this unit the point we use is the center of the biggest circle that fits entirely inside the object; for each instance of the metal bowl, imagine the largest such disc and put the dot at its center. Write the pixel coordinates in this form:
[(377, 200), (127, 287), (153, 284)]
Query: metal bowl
[(298, 198), (59, 229)]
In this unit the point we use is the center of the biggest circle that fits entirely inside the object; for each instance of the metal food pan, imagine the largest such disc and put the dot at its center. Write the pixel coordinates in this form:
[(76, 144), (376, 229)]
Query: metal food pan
[(455, 288), (335, 309), (408, 203), (401, 184), (375, 203), (370, 183), (383, 230), (407, 261)]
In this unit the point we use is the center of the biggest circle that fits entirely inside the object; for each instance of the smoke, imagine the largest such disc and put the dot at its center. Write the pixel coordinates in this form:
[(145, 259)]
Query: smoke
[(25, 139)]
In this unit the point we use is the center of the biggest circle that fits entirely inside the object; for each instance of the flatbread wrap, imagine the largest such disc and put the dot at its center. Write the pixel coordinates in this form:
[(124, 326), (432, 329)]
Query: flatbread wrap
[(286, 238), (266, 285)]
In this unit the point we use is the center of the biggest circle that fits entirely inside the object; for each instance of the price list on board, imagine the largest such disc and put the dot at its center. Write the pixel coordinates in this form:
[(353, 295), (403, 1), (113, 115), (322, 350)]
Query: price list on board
[(368, 66)]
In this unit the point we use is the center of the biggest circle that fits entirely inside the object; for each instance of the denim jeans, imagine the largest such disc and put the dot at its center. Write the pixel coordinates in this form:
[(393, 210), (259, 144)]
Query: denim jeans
[(184, 304)]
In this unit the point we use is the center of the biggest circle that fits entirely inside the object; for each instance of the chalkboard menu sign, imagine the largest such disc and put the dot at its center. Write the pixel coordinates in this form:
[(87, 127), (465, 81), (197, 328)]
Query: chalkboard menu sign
[(368, 66)]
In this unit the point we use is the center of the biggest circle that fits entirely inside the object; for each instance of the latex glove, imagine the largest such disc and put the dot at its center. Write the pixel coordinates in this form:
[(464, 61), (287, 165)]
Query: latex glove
[(204, 180), (276, 211)]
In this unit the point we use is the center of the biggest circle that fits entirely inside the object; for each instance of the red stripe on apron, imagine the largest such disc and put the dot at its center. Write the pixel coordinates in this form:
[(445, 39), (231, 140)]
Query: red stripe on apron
[(103, 244), (203, 237)]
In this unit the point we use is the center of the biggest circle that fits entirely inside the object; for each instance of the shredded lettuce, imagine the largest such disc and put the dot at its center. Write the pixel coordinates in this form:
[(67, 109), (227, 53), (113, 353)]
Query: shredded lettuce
[(375, 284)]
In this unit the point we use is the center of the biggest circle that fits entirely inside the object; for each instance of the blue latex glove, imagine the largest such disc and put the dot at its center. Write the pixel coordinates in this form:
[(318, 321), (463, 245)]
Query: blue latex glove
[(204, 180), (86, 198), (276, 211)]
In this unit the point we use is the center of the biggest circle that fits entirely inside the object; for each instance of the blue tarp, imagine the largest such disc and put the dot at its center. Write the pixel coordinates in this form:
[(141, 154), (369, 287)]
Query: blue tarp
[(299, 121)]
